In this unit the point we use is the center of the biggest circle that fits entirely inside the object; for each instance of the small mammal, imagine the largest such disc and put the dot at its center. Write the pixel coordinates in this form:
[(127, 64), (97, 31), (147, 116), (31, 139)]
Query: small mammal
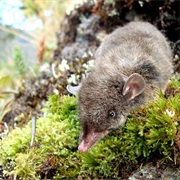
[(131, 64)]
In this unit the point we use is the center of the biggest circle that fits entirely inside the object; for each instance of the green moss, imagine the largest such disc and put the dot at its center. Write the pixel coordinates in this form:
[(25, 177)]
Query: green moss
[(155, 131), (150, 130), (56, 136)]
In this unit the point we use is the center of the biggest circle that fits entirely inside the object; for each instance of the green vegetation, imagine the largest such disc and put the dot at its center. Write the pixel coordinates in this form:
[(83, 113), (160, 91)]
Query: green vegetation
[(12, 73), (5, 81), (19, 62), (153, 129), (55, 139)]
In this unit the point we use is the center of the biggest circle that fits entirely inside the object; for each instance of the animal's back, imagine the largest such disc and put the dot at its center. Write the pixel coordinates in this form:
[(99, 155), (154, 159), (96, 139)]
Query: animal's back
[(132, 36), (137, 47)]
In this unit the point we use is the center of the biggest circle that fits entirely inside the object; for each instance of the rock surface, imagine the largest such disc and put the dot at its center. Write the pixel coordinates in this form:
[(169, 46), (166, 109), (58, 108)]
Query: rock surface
[(149, 172)]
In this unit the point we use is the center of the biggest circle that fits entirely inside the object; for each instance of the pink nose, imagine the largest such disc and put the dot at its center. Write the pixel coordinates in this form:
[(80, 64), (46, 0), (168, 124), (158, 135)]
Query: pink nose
[(82, 147)]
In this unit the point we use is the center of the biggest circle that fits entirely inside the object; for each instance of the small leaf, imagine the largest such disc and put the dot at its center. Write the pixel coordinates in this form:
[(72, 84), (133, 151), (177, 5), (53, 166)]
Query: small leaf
[(5, 81)]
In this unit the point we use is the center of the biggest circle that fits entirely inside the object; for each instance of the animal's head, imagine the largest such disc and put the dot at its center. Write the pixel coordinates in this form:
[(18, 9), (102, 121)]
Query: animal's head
[(104, 105)]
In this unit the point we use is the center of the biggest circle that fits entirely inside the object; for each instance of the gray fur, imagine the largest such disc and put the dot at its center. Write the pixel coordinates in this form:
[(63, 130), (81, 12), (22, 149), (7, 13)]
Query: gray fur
[(132, 63)]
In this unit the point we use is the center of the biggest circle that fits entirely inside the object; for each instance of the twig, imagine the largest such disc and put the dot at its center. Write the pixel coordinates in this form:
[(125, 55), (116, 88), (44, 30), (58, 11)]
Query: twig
[(10, 91), (33, 131)]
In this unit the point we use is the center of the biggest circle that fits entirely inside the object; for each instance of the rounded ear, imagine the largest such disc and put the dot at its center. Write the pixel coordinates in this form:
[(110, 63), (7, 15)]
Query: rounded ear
[(73, 89), (135, 85)]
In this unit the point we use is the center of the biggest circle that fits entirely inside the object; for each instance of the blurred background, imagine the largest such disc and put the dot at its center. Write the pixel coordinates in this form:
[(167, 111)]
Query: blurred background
[(28, 30), (28, 24)]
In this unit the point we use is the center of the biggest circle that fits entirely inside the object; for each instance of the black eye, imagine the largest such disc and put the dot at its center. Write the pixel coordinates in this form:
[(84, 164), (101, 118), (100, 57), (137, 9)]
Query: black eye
[(112, 114)]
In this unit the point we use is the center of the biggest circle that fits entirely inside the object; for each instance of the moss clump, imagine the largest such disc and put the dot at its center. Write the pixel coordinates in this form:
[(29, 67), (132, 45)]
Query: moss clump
[(154, 128), (55, 143)]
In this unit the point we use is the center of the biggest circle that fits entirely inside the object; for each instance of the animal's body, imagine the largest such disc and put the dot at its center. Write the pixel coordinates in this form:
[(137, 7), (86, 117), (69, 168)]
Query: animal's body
[(131, 64)]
